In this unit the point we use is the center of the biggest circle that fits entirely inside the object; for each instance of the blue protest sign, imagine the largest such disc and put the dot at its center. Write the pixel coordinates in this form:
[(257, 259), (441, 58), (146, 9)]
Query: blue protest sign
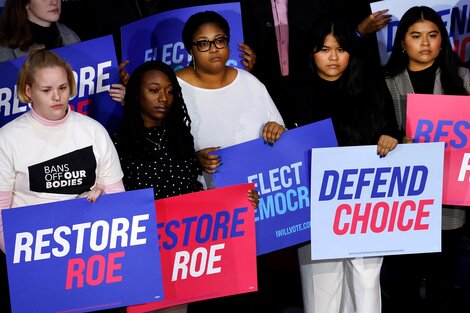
[(10, 106), (364, 205), (75, 256), (158, 37), (281, 174), (95, 68)]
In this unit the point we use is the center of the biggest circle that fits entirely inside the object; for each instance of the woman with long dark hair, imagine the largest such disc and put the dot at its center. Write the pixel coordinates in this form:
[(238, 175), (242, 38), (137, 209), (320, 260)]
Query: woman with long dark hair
[(154, 143), (362, 114), (423, 61), (433, 59)]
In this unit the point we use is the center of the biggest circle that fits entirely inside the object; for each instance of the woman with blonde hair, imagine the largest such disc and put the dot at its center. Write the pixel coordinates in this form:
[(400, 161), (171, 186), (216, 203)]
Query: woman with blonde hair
[(52, 137)]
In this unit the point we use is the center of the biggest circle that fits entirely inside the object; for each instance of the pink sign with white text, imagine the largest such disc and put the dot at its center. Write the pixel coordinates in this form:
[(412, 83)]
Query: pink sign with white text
[(207, 246), (432, 118)]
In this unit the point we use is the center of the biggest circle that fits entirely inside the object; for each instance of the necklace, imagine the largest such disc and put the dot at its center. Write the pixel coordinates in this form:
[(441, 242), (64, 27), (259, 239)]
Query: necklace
[(158, 144)]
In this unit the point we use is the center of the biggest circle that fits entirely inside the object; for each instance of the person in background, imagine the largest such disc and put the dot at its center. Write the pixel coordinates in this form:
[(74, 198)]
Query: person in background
[(362, 114), (51, 133), (107, 16), (423, 61), (274, 31), (25, 24)]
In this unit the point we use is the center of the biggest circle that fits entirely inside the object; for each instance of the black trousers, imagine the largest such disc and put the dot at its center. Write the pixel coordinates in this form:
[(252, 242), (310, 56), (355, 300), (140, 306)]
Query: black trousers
[(5, 295), (422, 282)]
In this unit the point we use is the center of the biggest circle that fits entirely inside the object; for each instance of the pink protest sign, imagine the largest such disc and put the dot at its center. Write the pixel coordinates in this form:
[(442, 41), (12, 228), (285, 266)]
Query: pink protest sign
[(207, 246), (432, 118)]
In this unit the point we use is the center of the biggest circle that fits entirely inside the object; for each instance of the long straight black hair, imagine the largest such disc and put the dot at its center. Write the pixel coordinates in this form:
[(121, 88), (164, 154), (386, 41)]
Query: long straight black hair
[(352, 79), (177, 121), (363, 117), (447, 59)]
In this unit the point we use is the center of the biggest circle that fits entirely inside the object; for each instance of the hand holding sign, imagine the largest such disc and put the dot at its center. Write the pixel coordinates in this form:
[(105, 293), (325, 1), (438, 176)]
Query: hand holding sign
[(202, 236), (248, 56), (272, 131), (368, 206), (386, 144), (374, 22), (280, 173), (208, 161), (91, 256)]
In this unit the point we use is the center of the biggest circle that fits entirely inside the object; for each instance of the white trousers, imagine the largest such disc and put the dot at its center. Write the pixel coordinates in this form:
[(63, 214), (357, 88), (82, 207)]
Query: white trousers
[(340, 286)]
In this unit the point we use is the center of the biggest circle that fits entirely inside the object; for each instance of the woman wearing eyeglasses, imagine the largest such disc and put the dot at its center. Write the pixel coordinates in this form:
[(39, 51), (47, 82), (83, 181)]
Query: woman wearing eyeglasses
[(226, 105)]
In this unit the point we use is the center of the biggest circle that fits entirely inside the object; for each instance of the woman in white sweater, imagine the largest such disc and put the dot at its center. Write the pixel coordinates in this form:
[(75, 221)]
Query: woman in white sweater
[(227, 105)]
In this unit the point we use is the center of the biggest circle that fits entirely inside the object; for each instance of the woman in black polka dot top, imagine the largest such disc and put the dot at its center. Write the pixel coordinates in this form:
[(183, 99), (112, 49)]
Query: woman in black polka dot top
[(154, 143)]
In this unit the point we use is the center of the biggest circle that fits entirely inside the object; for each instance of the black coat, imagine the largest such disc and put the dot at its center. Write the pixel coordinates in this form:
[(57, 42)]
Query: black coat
[(357, 120)]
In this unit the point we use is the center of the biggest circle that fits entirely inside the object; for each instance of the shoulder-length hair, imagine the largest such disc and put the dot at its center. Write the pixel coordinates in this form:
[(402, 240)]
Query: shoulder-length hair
[(38, 59), (177, 121), (362, 115), (447, 59), (14, 25)]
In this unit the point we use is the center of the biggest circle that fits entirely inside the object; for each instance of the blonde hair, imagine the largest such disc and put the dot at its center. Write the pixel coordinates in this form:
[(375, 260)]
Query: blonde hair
[(39, 58)]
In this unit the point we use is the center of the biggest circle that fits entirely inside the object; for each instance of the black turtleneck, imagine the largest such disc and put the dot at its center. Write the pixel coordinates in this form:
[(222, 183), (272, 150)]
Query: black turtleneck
[(48, 36), (357, 119), (423, 81)]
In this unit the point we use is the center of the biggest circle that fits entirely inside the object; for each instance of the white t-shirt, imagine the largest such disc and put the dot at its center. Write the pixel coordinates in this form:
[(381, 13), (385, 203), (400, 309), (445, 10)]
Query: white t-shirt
[(43, 163), (229, 115)]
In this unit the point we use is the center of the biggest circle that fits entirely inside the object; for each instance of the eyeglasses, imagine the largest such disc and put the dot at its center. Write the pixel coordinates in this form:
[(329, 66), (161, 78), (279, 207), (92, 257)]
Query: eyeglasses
[(205, 45)]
